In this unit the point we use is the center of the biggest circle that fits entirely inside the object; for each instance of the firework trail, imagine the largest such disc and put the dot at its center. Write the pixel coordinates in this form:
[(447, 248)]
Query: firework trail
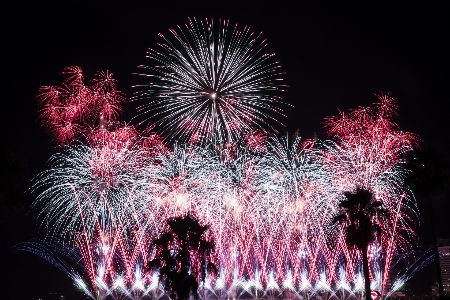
[(103, 265), (210, 80)]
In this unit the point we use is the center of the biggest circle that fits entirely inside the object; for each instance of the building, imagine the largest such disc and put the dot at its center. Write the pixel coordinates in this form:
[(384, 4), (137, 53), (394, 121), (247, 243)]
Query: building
[(444, 258)]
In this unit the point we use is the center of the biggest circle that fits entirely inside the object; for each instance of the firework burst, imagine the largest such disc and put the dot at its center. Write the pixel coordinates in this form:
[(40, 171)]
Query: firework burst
[(70, 109), (210, 80)]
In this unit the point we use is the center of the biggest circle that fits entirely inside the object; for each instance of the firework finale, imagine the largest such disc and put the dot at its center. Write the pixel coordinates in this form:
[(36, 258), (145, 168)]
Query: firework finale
[(205, 141), (269, 200)]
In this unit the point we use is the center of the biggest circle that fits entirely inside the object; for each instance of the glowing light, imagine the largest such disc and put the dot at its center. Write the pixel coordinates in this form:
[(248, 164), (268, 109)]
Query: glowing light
[(269, 201)]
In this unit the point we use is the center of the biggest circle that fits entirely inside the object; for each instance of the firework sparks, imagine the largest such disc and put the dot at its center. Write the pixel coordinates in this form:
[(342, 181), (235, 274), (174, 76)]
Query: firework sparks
[(269, 201), (68, 110), (211, 80)]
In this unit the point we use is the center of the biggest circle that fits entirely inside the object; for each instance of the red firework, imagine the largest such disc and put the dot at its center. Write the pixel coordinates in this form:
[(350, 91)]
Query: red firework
[(72, 108)]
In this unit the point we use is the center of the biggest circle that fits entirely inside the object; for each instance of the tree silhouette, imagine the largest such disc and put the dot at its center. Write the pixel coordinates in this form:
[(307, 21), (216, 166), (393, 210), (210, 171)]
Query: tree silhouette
[(361, 218), (183, 257), (429, 178)]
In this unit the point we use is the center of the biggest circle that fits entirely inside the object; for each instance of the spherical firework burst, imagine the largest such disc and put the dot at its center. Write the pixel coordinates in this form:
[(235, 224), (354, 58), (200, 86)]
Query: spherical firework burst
[(210, 80)]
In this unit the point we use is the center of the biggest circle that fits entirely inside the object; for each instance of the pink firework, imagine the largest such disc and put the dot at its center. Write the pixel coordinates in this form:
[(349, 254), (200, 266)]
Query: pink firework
[(369, 152), (69, 109)]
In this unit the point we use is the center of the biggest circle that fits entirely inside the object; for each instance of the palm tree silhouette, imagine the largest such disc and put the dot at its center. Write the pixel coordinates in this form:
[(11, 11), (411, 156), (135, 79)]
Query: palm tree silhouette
[(361, 218), (429, 178), (183, 256)]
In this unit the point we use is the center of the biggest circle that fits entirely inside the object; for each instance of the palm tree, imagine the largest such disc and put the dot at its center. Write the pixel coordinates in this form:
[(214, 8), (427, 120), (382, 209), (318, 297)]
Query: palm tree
[(429, 178), (183, 256), (361, 217)]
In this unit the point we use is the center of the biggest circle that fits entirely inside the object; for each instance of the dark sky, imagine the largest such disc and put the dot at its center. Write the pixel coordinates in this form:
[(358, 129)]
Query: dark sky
[(335, 55)]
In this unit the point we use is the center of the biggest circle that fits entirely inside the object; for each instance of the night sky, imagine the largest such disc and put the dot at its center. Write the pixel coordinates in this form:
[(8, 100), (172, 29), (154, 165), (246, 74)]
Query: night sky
[(335, 55)]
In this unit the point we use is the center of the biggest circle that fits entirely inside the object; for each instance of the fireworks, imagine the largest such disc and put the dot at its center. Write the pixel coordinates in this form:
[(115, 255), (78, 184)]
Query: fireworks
[(211, 80), (269, 201), (70, 109), (270, 211)]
